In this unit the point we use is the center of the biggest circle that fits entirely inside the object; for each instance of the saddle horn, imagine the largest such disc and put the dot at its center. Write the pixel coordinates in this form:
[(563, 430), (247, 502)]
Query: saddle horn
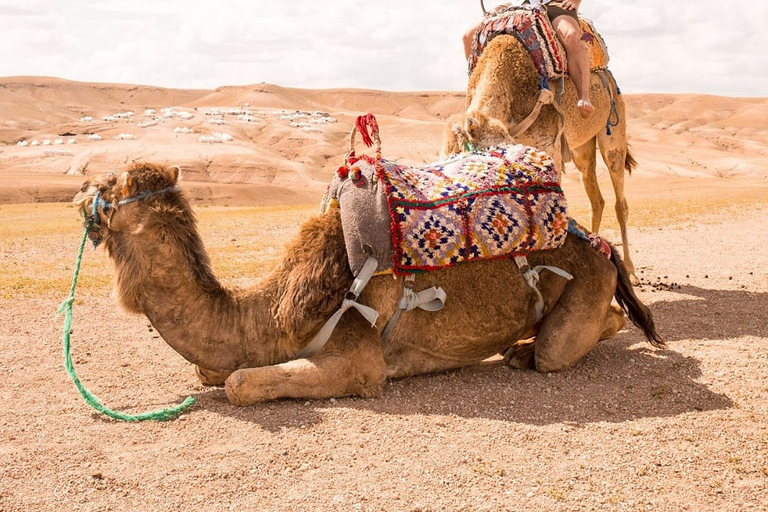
[(482, 6)]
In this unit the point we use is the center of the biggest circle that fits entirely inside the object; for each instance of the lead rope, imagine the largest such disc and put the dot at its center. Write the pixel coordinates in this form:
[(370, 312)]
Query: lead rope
[(90, 398)]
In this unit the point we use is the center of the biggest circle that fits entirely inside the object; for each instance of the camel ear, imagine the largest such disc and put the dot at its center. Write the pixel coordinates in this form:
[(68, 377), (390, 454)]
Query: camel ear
[(127, 185), (175, 173)]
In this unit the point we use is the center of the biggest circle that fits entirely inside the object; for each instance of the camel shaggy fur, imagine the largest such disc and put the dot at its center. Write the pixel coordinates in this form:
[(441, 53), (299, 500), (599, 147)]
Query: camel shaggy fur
[(504, 87), (247, 339)]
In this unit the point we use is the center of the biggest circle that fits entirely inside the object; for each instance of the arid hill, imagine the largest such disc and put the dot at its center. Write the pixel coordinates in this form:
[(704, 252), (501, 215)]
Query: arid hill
[(279, 143)]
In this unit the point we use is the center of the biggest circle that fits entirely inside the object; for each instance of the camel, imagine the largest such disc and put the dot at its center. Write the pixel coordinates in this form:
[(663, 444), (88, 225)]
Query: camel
[(247, 339), (504, 86)]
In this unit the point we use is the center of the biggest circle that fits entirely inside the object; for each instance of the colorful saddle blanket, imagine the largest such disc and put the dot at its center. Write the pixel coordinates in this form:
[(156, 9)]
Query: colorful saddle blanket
[(500, 202), (533, 28)]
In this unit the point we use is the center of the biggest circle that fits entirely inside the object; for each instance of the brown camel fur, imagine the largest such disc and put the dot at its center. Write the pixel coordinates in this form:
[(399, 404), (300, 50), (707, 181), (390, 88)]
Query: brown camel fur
[(246, 339), (504, 86)]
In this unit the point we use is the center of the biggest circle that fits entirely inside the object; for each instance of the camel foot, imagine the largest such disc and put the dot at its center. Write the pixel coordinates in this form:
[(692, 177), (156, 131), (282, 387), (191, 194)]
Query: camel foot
[(211, 377), (585, 108), (233, 387), (521, 355), (634, 280), (615, 321)]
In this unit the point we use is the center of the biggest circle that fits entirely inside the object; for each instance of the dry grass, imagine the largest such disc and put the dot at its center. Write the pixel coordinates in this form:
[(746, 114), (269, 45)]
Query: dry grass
[(38, 242), (682, 202)]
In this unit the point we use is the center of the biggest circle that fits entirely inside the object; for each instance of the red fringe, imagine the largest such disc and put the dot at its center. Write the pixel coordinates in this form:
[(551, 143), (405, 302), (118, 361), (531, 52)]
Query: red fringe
[(363, 123)]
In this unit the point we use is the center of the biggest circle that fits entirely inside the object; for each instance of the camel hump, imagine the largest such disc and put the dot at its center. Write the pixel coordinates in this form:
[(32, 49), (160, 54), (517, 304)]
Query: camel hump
[(533, 29), (499, 202)]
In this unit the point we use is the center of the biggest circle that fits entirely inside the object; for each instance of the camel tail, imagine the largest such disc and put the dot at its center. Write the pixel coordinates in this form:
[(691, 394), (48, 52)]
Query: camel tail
[(630, 164), (638, 312)]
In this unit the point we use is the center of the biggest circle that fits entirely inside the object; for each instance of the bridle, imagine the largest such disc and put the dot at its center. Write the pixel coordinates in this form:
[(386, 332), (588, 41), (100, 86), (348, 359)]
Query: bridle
[(92, 222)]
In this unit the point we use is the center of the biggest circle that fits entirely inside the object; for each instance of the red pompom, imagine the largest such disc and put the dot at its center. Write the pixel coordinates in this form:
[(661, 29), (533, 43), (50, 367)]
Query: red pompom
[(343, 171)]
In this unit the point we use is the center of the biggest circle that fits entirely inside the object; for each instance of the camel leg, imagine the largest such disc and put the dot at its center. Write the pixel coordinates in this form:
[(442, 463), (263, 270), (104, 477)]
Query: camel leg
[(352, 364), (211, 377), (613, 323), (521, 355), (614, 153), (580, 318), (585, 160)]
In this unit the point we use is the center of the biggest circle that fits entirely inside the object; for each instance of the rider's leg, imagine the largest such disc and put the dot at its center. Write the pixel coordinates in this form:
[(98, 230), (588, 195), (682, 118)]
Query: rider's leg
[(469, 35), (569, 33)]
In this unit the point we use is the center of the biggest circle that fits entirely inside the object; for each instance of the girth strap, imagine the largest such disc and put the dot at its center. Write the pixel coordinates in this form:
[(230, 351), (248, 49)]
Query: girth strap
[(532, 277), (546, 97), (430, 299), (350, 301)]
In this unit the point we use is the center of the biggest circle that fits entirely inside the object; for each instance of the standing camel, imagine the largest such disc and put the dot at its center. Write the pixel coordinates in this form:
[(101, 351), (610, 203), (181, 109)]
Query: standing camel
[(249, 339), (504, 86)]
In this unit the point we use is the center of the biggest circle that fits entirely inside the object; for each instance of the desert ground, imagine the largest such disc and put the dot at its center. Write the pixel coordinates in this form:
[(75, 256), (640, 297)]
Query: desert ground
[(629, 427)]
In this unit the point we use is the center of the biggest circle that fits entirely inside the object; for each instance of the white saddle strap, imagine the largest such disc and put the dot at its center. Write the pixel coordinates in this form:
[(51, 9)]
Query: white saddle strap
[(350, 301), (532, 277), (430, 299)]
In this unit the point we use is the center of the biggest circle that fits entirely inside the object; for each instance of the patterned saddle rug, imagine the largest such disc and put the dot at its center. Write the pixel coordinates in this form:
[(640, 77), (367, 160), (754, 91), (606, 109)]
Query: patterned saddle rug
[(501, 202), (533, 28)]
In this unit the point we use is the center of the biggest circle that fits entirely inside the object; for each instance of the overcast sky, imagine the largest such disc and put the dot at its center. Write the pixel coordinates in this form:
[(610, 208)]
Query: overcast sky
[(398, 45)]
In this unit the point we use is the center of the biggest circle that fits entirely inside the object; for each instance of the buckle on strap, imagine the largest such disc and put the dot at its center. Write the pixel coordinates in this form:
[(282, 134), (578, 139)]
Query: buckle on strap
[(430, 299), (350, 301), (532, 276)]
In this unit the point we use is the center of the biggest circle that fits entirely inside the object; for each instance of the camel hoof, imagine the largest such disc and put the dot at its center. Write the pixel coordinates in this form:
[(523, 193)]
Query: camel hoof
[(634, 280), (233, 387), (211, 377), (521, 355)]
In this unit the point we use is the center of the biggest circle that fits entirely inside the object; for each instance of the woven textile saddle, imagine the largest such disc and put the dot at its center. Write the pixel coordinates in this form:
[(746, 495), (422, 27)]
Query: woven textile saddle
[(500, 202), (533, 28)]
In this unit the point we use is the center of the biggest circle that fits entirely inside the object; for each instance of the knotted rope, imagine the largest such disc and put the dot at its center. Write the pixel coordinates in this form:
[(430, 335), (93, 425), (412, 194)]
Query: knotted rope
[(90, 398)]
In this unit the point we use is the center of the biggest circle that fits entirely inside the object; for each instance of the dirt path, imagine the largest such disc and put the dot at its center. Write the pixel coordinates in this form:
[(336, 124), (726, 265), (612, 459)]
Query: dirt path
[(629, 428)]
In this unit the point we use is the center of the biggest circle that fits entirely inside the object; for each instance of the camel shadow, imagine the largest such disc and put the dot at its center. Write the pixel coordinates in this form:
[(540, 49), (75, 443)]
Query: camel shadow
[(702, 313), (621, 379)]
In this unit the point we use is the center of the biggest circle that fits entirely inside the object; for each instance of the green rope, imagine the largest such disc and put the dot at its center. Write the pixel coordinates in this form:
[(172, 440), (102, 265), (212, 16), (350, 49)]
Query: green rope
[(90, 398)]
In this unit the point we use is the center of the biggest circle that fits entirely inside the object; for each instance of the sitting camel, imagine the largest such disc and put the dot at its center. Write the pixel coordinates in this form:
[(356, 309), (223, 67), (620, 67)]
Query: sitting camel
[(248, 339), (505, 86)]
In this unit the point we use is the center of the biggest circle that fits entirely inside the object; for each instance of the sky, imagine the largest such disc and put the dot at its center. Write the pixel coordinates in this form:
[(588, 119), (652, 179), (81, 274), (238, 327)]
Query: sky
[(655, 46)]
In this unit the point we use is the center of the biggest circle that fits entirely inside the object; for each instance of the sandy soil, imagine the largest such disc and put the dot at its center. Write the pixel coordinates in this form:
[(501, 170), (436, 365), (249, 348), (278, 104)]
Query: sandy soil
[(628, 428)]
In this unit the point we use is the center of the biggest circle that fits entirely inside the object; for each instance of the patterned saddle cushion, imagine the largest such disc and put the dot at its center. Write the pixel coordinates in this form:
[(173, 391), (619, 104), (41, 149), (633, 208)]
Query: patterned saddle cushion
[(533, 28), (500, 202)]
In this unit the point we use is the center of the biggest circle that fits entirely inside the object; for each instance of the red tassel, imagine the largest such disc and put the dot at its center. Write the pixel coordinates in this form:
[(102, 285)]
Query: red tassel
[(362, 124)]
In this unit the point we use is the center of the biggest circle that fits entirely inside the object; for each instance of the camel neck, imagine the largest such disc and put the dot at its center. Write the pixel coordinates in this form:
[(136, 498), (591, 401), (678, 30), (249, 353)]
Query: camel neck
[(505, 68), (164, 273)]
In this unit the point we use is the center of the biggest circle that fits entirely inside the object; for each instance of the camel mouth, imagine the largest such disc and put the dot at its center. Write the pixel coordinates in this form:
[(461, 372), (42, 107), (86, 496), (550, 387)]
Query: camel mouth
[(84, 198)]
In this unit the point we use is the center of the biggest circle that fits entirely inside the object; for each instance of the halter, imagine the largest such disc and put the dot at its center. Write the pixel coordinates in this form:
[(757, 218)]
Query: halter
[(93, 223)]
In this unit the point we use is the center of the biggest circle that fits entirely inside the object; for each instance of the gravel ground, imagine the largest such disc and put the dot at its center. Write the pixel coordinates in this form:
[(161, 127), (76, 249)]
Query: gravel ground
[(628, 428)]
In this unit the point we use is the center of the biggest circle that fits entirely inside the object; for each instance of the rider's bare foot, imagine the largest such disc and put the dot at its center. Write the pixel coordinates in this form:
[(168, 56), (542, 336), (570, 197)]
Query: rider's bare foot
[(585, 108)]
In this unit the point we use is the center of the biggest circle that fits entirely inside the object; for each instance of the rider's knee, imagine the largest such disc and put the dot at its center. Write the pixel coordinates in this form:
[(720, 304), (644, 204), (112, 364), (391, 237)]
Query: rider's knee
[(570, 38)]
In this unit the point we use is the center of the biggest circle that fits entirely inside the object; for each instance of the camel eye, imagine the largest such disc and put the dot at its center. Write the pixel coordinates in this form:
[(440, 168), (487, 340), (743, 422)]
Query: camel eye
[(85, 186)]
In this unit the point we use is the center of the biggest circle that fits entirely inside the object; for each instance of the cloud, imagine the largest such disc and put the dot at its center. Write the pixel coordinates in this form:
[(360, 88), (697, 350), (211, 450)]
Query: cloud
[(655, 45)]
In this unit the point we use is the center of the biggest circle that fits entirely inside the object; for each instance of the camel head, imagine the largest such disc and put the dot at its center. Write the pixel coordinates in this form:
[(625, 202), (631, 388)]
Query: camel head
[(473, 130), (107, 201)]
